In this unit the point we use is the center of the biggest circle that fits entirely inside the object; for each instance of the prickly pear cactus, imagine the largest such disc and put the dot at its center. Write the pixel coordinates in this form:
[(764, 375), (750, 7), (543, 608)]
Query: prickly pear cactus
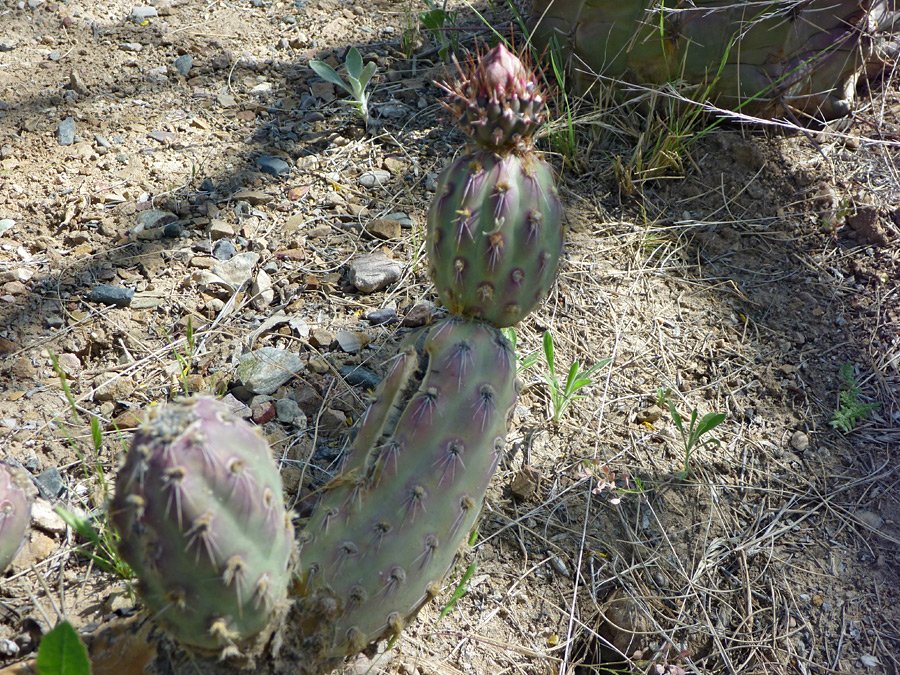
[(495, 236), (389, 525), (15, 511), (495, 227), (201, 517)]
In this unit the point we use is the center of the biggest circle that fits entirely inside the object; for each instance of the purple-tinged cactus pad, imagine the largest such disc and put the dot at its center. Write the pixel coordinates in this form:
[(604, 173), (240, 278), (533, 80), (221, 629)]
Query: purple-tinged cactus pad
[(389, 525), (201, 516), (15, 511)]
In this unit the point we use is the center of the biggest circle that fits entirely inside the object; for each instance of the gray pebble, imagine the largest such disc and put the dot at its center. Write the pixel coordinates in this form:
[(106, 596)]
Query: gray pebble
[(111, 295), (266, 369), (223, 250), (372, 178), (359, 376), (370, 273), (382, 316), (799, 441), (65, 132), (172, 231), (238, 270), (50, 483), (287, 410), (152, 218), (102, 141), (272, 165), (183, 64)]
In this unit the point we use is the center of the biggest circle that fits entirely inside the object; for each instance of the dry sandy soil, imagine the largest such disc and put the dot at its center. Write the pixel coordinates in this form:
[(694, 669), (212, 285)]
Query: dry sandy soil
[(742, 282)]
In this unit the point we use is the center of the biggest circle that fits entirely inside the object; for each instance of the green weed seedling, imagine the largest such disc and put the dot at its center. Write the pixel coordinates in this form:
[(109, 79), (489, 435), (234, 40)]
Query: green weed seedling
[(461, 588), (357, 76), (563, 393), (62, 652), (442, 25), (101, 548), (850, 409), (692, 437)]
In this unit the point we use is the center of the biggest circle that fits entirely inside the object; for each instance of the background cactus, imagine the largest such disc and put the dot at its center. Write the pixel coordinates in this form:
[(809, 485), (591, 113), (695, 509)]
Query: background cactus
[(761, 58), (15, 511), (389, 525), (201, 516), (495, 230)]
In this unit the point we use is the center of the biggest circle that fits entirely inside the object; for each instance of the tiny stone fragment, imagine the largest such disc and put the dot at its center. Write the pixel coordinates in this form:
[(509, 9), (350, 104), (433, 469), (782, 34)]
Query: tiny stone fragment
[(799, 441), (65, 132), (524, 483), (649, 415)]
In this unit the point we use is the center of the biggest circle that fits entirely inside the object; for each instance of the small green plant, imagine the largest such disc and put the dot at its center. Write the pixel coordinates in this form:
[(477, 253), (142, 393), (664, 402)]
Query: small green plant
[(692, 437), (442, 25), (663, 394), (62, 652), (525, 362), (562, 393), (461, 588), (101, 545), (357, 75), (850, 409)]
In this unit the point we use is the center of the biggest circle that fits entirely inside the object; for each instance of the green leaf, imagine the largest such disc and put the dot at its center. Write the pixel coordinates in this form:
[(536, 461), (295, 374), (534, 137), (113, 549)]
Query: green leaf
[(548, 352), (329, 74), (62, 653), (353, 63), (96, 433), (709, 422), (366, 75)]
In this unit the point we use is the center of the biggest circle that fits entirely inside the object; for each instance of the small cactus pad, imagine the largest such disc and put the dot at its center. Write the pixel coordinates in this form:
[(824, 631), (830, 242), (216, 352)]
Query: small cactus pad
[(15, 511), (388, 527), (495, 236), (201, 516)]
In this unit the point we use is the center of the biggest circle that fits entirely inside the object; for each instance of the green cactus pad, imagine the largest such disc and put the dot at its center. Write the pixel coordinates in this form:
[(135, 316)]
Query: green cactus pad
[(495, 236), (388, 527), (200, 513), (15, 511)]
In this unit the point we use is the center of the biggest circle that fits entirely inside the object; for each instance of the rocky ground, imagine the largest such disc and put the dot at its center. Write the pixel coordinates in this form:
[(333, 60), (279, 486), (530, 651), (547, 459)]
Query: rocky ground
[(182, 202)]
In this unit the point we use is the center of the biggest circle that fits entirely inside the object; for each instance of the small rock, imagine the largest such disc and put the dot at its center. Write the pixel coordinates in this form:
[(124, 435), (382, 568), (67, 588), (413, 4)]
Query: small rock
[(419, 315), (261, 292), (44, 517), (382, 316), (262, 411), (370, 273), (8, 44), (128, 419), (289, 412), (253, 197), (77, 84), (525, 482), (153, 218), (273, 166), (649, 415), (263, 371), (50, 483), (183, 64), (237, 271), (65, 132), (111, 295), (39, 547), (131, 46), (113, 388), (219, 229), (164, 137), (350, 341), (384, 228), (333, 421), (321, 338), (375, 177), (141, 14), (799, 441), (359, 376)]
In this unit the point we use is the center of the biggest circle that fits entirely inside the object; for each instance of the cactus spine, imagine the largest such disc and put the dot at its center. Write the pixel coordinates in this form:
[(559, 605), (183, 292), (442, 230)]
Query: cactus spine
[(15, 511), (201, 516)]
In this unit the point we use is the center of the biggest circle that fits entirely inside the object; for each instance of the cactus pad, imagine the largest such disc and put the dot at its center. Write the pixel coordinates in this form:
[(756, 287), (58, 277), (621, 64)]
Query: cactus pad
[(201, 517), (15, 511)]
